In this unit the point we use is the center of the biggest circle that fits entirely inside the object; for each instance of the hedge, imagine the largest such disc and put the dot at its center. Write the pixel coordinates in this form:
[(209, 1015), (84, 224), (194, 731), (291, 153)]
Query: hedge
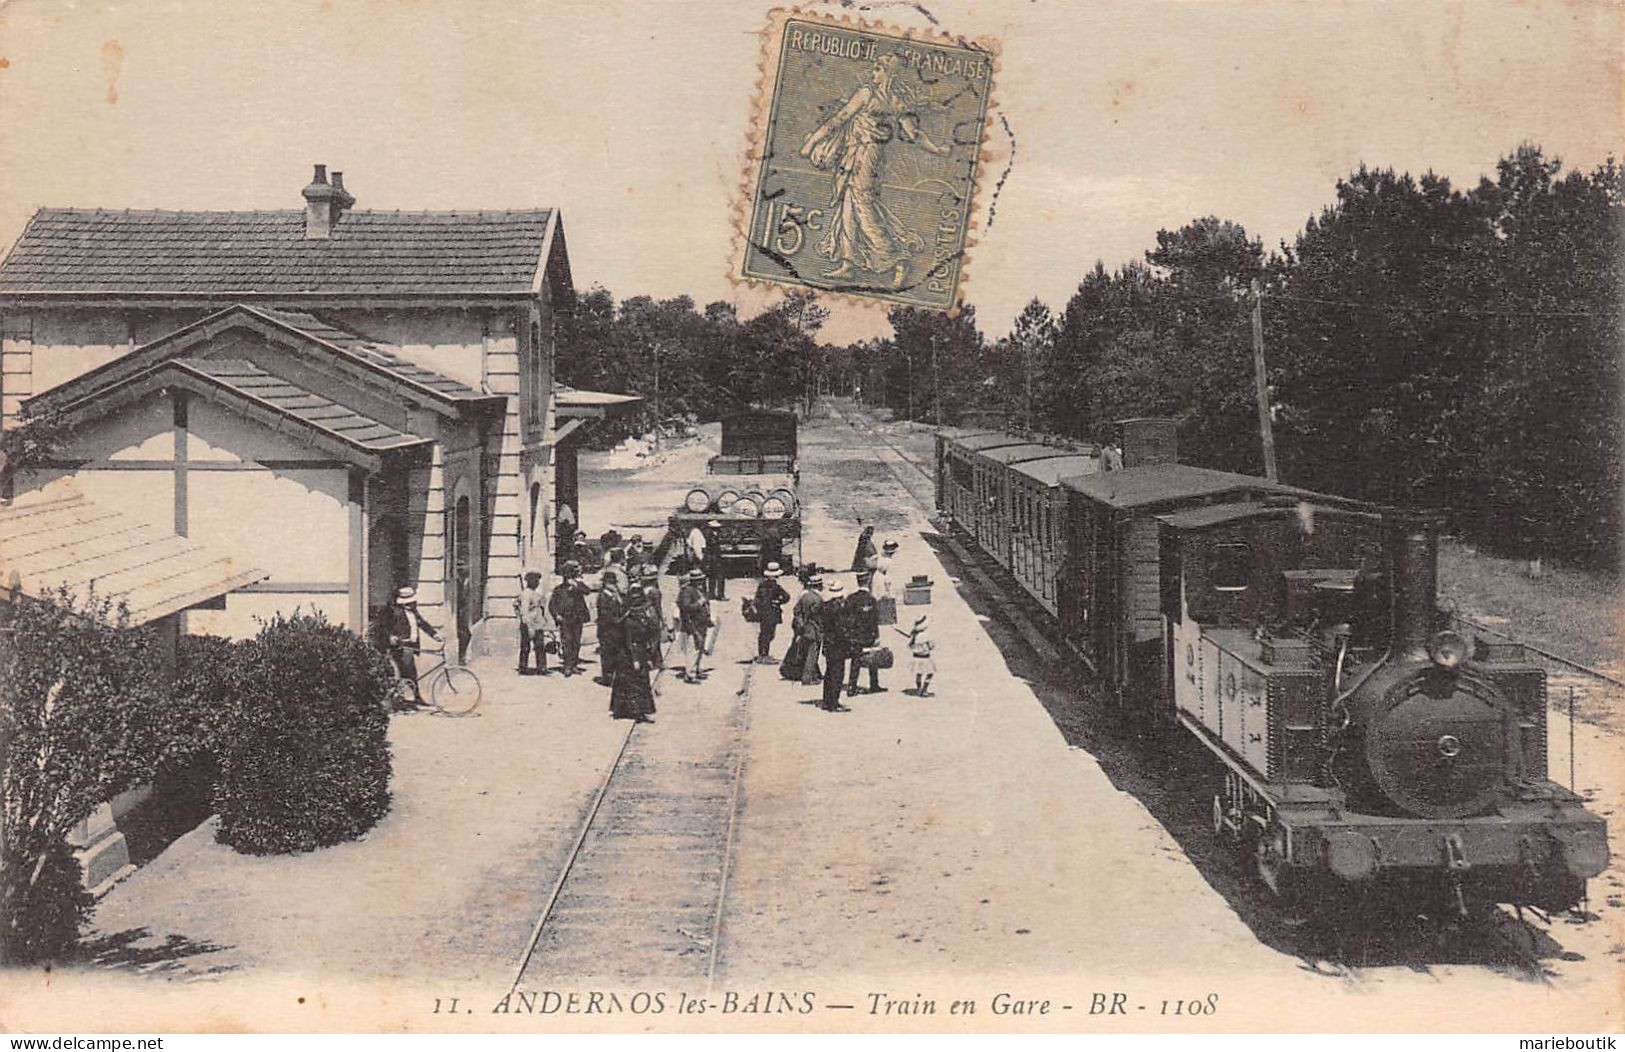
[(305, 762)]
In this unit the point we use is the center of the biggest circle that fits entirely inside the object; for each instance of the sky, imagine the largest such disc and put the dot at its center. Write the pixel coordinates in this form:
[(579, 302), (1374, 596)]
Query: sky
[(1123, 117)]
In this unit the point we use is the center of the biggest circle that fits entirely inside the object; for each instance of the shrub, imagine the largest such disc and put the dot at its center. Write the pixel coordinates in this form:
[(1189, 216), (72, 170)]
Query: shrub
[(306, 761), (80, 704)]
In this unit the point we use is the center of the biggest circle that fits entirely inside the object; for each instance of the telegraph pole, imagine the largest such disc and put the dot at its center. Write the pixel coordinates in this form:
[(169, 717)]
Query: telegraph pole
[(936, 388), (1265, 431)]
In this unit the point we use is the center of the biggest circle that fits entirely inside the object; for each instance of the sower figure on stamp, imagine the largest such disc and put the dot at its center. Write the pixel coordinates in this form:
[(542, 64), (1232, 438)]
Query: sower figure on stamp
[(801, 657), (861, 619), (568, 606), (831, 631), (863, 232), (530, 607), (770, 600)]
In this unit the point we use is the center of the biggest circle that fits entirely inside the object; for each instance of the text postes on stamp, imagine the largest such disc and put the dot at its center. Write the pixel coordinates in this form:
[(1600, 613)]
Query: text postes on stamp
[(868, 161)]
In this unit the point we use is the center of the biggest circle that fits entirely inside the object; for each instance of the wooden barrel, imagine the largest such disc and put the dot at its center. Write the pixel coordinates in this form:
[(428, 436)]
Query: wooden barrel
[(787, 496), (697, 500), (726, 499), (748, 506)]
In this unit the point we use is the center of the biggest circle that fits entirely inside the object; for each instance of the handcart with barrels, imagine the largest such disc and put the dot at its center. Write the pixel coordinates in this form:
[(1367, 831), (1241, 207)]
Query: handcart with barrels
[(750, 492)]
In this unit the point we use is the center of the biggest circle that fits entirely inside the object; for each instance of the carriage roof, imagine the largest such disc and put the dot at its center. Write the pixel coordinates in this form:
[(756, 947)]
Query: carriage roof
[(1027, 451), (989, 440), (1159, 483), (1052, 469)]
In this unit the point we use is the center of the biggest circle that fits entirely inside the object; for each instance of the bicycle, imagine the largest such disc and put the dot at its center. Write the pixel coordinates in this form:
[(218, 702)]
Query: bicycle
[(454, 690)]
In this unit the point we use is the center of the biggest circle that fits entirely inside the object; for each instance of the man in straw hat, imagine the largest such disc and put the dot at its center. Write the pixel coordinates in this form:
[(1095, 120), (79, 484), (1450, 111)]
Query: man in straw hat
[(831, 614), (694, 623), (711, 561), (407, 628), (530, 607), (770, 600)]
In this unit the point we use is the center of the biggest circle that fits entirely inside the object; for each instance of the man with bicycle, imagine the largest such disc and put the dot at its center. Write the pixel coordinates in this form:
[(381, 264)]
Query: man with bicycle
[(406, 628)]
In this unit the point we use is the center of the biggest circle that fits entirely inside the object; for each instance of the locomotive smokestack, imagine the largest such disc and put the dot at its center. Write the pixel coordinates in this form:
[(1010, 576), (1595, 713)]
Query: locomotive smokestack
[(1413, 550)]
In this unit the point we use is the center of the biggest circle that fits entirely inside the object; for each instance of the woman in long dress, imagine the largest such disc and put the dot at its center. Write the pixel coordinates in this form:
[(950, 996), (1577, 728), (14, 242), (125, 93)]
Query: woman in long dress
[(863, 232), (801, 659), (631, 697), (863, 557)]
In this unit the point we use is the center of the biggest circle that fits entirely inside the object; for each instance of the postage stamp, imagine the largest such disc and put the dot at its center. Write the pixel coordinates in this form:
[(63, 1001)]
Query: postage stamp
[(868, 147)]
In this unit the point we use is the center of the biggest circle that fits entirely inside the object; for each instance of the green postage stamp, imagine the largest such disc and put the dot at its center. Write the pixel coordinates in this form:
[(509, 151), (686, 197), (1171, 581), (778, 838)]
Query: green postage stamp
[(867, 147)]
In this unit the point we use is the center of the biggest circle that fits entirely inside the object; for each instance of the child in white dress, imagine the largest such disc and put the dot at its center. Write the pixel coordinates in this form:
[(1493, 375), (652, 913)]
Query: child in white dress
[(920, 661)]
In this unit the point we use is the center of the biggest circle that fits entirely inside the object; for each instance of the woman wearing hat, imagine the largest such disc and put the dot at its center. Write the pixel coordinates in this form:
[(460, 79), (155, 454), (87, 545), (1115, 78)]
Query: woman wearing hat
[(694, 623), (920, 661), (885, 598), (631, 697), (770, 600), (863, 557), (801, 657)]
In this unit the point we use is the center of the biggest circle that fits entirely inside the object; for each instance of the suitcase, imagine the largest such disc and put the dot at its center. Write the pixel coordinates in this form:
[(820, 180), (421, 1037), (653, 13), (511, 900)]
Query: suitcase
[(876, 657)]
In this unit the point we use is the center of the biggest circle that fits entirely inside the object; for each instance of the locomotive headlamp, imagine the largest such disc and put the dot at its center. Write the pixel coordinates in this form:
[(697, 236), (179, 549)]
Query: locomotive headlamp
[(1447, 649)]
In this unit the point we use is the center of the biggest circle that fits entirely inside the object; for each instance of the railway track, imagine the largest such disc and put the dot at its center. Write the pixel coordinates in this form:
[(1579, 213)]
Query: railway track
[(1490, 937), (643, 891)]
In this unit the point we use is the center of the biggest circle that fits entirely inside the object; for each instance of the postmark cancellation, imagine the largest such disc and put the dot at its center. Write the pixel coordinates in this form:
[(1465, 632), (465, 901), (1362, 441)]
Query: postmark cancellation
[(867, 146)]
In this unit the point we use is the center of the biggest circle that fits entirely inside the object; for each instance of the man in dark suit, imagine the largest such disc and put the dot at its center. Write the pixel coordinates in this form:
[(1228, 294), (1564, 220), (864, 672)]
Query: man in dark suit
[(611, 638), (831, 628), (862, 620), (568, 605), (770, 600)]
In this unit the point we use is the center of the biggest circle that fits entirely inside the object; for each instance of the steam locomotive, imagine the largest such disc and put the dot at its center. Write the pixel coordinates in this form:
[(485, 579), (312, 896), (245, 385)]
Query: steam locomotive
[(1296, 636)]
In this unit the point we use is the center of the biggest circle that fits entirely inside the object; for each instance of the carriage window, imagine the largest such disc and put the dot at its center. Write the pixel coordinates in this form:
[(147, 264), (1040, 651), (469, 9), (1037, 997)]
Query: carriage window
[(1229, 567)]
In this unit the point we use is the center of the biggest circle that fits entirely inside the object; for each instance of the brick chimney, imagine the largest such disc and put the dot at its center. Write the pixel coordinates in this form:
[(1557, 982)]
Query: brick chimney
[(324, 203), (1149, 440)]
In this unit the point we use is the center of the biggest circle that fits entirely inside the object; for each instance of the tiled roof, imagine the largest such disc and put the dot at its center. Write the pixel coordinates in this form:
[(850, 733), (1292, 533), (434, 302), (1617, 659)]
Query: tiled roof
[(267, 253), (286, 397), (371, 353), (71, 542)]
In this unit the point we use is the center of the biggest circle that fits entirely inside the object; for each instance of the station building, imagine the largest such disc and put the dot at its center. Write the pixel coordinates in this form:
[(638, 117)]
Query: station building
[(349, 401)]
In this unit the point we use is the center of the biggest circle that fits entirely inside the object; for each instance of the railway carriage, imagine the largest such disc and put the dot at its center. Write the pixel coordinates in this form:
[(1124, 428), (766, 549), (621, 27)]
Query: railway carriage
[(1110, 589), (1038, 541), (965, 498)]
